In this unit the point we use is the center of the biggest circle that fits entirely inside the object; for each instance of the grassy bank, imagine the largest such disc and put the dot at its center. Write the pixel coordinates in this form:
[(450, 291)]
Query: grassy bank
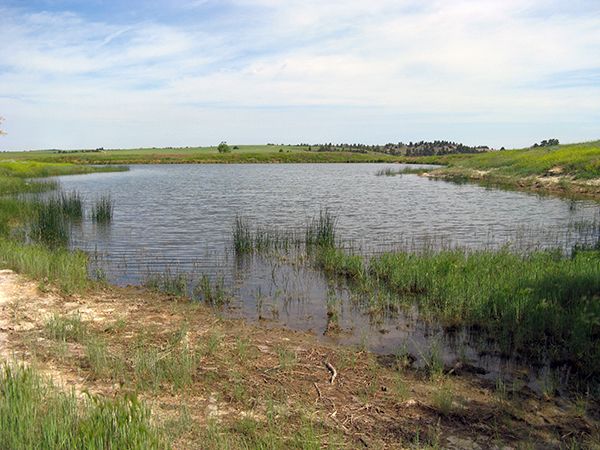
[(572, 169), (241, 154)]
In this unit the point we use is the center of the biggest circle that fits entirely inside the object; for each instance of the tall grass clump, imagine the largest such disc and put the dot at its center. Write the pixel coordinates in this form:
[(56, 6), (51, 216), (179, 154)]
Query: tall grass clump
[(320, 231), (72, 204), (66, 328), (175, 365), (242, 236), (102, 210), (204, 290), (388, 172), (248, 239), (50, 225), (168, 282), (36, 414), (67, 269)]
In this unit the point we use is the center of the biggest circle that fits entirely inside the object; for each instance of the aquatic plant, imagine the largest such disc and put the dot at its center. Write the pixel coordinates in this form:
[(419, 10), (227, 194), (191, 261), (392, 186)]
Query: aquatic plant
[(247, 239), (72, 204), (388, 172), (213, 295), (541, 305), (320, 231), (168, 282), (242, 236), (102, 210)]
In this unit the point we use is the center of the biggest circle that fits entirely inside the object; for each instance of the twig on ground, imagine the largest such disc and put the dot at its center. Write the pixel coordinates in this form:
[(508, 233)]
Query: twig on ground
[(318, 391), (333, 372)]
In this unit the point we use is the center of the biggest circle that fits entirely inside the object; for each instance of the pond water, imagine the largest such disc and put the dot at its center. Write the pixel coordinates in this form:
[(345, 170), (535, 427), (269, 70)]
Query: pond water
[(180, 217)]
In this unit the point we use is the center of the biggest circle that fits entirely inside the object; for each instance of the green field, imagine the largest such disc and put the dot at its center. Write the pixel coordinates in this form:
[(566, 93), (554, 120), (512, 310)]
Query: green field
[(572, 169), (580, 161), (242, 154)]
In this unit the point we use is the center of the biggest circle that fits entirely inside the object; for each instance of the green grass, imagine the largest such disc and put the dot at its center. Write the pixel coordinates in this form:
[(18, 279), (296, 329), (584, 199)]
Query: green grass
[(35, 414), (248, 433), (50, 226), (68, 270), (14, 165), (168, 282), (243, 241), (72, 204), (66, 328), (15, 185), (542, 305), (102, 209), (389, 172), (321, 230), (250, 239), (530, 169), (15, 213), (211, 293), (582, 161), (174, 366), (243, 154), (34, 233)]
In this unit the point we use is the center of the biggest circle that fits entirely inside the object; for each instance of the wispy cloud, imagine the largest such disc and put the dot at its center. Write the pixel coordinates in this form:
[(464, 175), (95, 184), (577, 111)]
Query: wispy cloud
[(178, 73)]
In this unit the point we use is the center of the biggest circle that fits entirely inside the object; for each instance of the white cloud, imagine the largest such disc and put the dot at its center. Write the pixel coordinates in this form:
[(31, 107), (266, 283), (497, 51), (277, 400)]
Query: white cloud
[(440, 61)]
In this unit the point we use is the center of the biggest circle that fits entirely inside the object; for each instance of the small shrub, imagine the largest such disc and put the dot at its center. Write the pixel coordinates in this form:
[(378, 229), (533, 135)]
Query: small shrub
[(223, 148)]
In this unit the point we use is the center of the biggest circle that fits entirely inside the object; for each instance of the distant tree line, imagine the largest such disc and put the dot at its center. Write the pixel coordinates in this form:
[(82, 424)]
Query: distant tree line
[(546, 143), (421, 148), (96, 150)]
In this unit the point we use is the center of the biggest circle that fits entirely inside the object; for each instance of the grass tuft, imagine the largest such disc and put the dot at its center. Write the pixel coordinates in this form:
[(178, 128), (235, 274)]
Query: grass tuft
[(102, 210), (321, 230), (35, 414), (67, 269)]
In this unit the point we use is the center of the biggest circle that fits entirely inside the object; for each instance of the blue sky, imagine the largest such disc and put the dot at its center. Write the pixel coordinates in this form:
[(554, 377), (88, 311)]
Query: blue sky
[(84, 74)]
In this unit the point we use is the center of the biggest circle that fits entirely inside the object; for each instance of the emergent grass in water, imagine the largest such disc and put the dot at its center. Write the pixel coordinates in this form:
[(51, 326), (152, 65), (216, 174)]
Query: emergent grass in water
[(102, 210), (542, 305), (319, 232)]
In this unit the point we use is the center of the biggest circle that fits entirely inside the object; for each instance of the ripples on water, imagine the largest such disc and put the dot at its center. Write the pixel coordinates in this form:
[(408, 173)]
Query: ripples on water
[(181, 216)]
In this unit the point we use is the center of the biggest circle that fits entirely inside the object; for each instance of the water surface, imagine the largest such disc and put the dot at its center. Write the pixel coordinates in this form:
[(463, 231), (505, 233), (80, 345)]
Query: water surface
[(180, 217)]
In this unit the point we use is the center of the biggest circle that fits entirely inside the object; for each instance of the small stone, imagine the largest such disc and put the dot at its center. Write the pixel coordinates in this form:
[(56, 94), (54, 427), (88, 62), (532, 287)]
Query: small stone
[(458, 443)]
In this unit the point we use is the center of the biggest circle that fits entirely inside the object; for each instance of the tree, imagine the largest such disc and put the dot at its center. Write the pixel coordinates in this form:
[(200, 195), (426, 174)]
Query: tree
[(223, 147)]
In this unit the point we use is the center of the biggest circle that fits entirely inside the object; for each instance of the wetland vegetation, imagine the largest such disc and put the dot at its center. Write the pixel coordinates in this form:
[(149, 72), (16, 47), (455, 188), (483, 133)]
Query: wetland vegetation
[(541, 305)]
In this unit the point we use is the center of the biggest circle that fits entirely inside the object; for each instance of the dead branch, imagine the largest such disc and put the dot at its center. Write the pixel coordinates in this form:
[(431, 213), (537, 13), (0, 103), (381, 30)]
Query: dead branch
[(333, 372), (318, 392)]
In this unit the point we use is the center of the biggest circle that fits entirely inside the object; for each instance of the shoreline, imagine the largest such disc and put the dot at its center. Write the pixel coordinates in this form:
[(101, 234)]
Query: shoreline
[(559, 186), (231, 371)]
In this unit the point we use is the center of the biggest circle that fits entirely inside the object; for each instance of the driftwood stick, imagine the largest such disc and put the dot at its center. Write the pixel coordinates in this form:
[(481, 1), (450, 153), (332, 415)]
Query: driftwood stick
[(333, 372), (318, 392)]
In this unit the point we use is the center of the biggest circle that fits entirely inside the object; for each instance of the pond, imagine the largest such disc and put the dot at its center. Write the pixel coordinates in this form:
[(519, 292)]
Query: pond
[(180, 218)]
